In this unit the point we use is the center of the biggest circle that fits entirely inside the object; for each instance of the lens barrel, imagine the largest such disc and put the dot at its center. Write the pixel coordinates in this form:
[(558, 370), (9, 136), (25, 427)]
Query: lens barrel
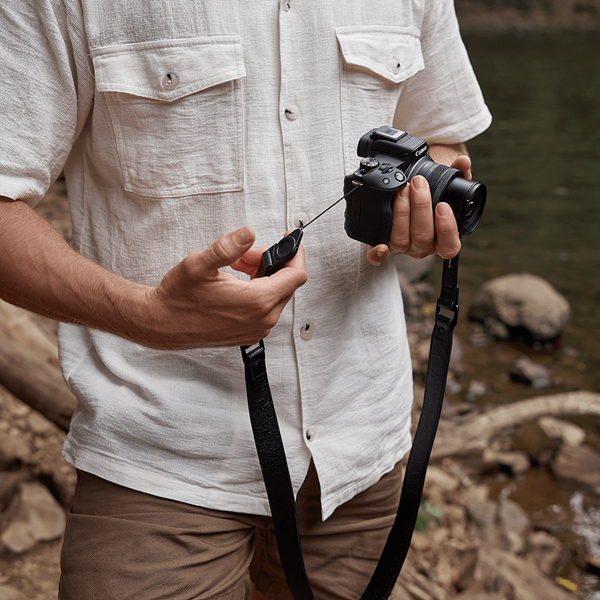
[(465, 197)]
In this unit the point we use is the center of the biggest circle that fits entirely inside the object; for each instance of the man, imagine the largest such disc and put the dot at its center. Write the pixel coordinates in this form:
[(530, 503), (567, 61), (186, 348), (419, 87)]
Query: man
[(179, 123)]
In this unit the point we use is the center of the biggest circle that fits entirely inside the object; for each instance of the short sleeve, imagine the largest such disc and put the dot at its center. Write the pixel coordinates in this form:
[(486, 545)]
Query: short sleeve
[(46, 92), (442, 103)]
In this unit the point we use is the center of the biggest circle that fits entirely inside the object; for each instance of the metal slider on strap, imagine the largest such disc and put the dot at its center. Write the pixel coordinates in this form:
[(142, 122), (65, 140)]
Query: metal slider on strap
[(254, 359), (449, 313)]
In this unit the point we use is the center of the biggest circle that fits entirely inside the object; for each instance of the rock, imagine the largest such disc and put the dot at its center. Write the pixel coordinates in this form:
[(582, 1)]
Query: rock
[(483, 514), (479, 337), (518, 462), (13, 449), (544, 551), (410, 297), (9, 485), (437, 477), (457, 361), (512, 517), (24, 327), (476, 390), (527, 583), (8, 592), (531, 439), (578, 466), (526, 371), (33, 516), (523, 302), (593, 561), (569, 433), (494, 589), (39, 425)]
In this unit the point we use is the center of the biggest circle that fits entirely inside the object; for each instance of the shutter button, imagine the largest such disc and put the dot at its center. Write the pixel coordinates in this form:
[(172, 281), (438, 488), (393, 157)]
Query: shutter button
[(307, 331), (170, 81)]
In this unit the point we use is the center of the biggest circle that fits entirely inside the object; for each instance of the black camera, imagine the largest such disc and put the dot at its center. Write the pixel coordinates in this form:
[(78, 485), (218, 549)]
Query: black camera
[(391, 159)]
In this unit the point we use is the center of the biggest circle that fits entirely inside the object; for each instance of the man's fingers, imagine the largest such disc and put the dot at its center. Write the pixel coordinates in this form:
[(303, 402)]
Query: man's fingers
[(448, 241), (250, 261), (422, 228), (226, 250), (463, 164), (400, 236), (285, 281), (376, 254)]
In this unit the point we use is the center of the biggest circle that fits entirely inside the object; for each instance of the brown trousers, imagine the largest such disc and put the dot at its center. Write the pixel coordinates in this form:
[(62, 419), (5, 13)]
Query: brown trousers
[(121, 544)]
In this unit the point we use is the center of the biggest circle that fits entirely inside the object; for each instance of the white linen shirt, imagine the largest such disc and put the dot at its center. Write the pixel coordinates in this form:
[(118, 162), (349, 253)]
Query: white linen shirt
[(177, 121)]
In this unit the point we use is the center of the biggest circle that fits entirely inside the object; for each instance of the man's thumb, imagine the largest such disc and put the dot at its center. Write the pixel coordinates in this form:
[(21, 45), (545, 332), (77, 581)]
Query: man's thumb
[(229, 248)]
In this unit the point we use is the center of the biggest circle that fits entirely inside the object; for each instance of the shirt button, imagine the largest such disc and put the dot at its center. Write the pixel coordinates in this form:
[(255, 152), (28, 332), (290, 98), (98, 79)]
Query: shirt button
[(292, 112), (170, 81), (307, 331), (286, 5), (300, 219), (395, 66), (310, 434)]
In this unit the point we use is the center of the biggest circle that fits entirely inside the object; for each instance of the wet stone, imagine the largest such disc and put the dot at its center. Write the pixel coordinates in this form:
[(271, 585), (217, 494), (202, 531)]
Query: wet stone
[(530, 373), (578, 466)]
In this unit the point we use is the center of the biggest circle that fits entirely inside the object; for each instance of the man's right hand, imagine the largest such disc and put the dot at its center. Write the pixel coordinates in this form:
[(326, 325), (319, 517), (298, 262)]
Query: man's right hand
[(198, 305)]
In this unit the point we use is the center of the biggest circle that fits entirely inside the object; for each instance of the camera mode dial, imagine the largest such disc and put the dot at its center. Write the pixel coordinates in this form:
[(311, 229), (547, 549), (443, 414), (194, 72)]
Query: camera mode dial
[(368, 164)]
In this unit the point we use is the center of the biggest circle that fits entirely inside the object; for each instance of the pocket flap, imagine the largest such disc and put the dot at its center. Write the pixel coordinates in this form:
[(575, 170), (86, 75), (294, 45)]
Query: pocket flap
[(394, 53), (168, 69)]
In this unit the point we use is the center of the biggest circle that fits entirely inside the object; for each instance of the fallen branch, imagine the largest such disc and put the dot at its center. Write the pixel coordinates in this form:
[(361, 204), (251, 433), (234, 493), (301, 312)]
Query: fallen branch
[(36, 382), (474, 434)]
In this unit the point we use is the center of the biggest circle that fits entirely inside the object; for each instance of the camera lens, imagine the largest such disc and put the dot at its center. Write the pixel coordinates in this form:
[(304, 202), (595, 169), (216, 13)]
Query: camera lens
[(470, 210), (467, 199)]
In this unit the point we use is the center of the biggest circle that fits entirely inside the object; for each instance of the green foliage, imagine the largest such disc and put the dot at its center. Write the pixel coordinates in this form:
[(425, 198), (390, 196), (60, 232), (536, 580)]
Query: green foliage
[(428, 515)]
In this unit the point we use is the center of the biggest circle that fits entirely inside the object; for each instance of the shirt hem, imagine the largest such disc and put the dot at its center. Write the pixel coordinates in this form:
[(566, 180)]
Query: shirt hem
[(346, 494), (155, 484)]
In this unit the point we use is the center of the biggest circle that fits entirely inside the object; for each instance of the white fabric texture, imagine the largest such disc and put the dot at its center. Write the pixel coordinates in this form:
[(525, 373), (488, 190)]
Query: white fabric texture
[(169, 119)]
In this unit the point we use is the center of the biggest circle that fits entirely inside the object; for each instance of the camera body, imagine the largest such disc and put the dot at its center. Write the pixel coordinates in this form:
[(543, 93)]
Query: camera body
[(391, 158)]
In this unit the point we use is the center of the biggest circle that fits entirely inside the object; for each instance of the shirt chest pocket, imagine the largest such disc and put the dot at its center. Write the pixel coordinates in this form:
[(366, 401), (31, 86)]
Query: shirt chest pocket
[(177, 112), (376, 62)]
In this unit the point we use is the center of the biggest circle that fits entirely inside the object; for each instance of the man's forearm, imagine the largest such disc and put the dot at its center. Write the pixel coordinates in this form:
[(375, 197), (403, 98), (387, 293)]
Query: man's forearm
[(39, 271), (196, 304)]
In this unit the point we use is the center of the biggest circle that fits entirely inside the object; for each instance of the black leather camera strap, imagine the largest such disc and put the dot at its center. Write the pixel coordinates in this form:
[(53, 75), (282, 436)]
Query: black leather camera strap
[(276, 475)]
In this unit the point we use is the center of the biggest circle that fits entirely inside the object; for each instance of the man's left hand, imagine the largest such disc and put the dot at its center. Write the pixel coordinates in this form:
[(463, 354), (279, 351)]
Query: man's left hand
[(414, 231)]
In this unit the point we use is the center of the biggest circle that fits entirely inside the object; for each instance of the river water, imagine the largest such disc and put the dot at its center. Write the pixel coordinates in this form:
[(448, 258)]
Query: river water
[(540, 160)]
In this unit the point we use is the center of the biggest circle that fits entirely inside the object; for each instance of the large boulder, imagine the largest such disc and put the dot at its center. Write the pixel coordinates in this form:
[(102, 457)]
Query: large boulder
[(521, 305)]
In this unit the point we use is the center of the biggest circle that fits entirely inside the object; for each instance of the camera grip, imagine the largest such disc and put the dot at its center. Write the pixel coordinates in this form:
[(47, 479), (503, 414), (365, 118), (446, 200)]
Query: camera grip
[(369, 213)]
